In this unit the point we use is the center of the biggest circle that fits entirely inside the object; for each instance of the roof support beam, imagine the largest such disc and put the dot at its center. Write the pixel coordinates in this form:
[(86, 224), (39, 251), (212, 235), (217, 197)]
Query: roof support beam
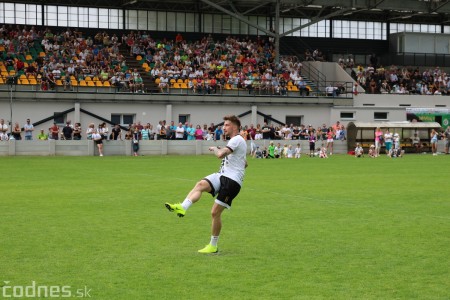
[(239, 17), (254, 8), (315, 20)]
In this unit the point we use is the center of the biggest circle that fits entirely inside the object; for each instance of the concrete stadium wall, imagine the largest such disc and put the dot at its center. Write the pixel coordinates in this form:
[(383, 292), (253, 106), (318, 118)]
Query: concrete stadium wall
[(206, 109), (124, 148)]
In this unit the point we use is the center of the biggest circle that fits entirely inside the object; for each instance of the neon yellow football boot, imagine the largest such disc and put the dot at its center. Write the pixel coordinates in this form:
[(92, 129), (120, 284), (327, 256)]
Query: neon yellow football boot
[(209, 249), (176, 208)]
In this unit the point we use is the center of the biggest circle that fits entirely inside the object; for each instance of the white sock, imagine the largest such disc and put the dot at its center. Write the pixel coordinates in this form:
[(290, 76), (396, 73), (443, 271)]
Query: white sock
[(186, 204), (214, 240)]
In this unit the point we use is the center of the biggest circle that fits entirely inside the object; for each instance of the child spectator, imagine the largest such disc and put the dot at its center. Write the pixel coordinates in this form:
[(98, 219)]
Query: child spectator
[(323, 153), (372, 152), (258, 153), (359, 151), (290, 152)]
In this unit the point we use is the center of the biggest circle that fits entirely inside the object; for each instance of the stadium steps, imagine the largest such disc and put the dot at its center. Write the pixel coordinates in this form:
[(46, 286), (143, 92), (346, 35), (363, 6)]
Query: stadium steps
[(132, 63)]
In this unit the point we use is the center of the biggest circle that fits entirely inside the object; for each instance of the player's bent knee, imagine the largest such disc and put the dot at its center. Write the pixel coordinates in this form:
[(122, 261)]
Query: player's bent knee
[(202, 185)]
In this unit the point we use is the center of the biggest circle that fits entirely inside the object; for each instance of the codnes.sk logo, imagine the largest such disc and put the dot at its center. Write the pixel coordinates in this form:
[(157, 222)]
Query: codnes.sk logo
[(35, 290)]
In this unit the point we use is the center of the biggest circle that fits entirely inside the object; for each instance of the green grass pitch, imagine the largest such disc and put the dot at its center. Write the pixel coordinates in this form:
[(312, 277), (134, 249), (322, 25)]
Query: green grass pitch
[(337, 228)]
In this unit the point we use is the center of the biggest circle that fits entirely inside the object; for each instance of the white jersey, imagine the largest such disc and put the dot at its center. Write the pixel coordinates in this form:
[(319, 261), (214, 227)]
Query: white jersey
[(233, 165)]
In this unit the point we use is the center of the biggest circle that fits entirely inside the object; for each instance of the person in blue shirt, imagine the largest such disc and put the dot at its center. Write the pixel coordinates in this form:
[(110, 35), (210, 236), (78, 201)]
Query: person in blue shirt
[(190, 130), (218, 133), (173, 129)]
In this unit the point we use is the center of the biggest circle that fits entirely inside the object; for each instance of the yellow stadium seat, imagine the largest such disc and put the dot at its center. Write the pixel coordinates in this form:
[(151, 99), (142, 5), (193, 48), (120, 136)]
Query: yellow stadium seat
[(90, 83), (106, 84), (138, 57), (23, 76), (74, 82), (87, 78), (41, 54), (32, 81), (99, 83), (176, 85), (183, 85), (180, 80), (157, 80), (24, 81), (83, 83), (28, 57), (1, 80), (95, 78), (59, 82)]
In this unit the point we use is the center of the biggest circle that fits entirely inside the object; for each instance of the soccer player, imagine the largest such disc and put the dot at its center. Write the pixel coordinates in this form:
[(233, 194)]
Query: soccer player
[(226, 183)]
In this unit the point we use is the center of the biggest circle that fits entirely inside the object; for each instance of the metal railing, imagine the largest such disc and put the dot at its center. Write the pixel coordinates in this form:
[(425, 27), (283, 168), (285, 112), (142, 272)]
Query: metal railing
[(257, 89)]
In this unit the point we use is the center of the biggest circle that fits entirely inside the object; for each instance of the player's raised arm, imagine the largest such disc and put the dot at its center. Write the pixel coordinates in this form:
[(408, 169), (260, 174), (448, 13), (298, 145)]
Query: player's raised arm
[(220, 152)]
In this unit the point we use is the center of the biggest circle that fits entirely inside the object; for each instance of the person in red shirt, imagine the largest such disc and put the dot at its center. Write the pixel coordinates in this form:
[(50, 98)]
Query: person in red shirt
[(19, 65), (54, 130), (178, 38), (251, 132)]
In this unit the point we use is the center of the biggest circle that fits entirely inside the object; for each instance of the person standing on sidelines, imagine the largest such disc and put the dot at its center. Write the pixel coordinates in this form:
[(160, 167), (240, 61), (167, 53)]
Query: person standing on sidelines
[(378, 140), (447, 139), (98, 140), (388, 141), (434, 140), (226, 183), (28, 128)]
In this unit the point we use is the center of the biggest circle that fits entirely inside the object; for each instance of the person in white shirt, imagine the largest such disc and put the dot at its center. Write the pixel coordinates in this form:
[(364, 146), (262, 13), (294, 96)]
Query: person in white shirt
[(298, 151), (388, 141), (359, 151), (3, 131), (164, 83), (290, 152), (226, 183), (98, 140), (179, 132)]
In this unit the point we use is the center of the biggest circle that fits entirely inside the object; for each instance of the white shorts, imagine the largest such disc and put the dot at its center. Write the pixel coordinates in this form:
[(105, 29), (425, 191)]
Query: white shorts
[(329, 140), (214, 181)]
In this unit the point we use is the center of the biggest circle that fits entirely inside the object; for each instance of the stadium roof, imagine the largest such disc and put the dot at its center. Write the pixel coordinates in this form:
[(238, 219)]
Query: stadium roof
[(401, 11)]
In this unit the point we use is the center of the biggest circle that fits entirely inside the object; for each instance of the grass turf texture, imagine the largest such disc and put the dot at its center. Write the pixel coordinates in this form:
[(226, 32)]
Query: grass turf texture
[(340, 228)]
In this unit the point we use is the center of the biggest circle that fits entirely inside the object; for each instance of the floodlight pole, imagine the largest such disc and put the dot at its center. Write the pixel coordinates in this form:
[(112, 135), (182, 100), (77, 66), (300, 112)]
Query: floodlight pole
[(11, 107)]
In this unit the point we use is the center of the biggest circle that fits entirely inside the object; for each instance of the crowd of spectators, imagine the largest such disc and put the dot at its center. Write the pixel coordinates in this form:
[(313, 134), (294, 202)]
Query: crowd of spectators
[(377, 79), (65, 55), (172, 131), (209, 66)]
